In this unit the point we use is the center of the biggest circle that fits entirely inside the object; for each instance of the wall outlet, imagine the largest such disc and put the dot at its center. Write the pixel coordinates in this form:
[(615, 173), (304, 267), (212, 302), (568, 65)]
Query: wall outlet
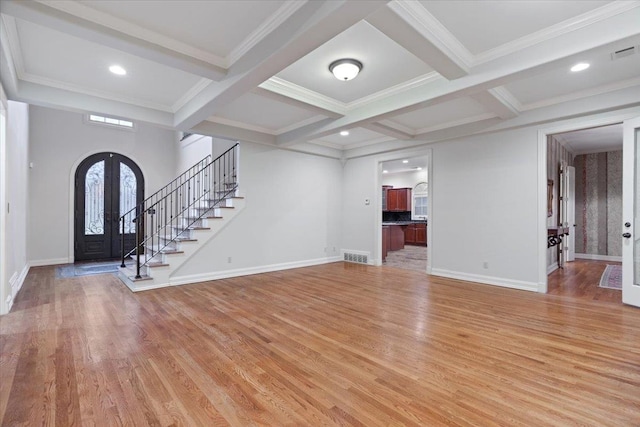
[(485, 265)]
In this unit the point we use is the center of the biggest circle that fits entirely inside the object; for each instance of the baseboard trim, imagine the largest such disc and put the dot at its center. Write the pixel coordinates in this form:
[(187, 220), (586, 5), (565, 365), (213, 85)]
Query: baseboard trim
[(15, 284), (597, 257), (553, 267), (45, 262), (487, 280), (216, 275)]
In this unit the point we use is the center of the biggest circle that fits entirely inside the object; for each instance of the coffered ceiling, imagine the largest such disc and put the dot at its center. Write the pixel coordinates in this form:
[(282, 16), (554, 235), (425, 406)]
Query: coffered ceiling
[(258, 70)]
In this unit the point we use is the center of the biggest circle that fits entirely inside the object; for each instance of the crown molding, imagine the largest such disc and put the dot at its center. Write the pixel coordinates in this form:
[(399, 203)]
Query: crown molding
[(395, 125), (45, 81), (190, 94), (588, 18), (502, 94), (417, 82), (272, 22), (307, 96), (416, 15), (583, 94), (12, 84), (454, 123), (122, 26), (241, 125), (302, 94), (13, 44), (300, 124), (360, 144)]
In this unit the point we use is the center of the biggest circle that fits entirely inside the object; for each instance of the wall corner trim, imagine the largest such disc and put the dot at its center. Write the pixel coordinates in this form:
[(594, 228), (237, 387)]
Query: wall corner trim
[(553, 267), (487, 280)]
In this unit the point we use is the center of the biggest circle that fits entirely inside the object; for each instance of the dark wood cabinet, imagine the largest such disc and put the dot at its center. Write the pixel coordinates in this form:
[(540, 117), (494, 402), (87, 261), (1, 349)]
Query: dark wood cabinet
[(396, 238), (415, 234), (386, 241), (385, 191), (421, 234), (398, 199), (410, 234)]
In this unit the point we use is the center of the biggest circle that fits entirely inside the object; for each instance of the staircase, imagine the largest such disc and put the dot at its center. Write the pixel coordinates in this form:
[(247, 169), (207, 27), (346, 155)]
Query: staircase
[(170, 226)]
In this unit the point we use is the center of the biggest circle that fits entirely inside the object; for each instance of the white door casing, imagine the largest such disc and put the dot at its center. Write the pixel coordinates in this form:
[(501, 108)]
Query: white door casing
[(631, 213)]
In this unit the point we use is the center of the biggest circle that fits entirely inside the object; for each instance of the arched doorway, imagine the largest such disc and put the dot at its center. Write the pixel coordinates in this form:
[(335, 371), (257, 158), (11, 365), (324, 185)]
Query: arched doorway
[(106, 186)]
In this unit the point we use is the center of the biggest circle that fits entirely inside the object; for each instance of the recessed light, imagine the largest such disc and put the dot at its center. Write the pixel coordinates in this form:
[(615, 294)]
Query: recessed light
[(116, 69), (418, 168), (385, 171), (405, 161), (580, 66), (344, 133)]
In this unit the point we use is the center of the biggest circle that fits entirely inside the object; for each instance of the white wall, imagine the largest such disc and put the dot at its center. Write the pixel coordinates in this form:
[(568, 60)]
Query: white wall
[(15, 167), (405, 179), (60, 140), (483, 193), (191, 151), (292, 213)]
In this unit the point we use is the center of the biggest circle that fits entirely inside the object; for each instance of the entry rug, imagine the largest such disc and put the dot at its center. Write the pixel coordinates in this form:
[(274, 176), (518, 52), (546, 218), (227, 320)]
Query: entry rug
[(75, 270), (612, 277)]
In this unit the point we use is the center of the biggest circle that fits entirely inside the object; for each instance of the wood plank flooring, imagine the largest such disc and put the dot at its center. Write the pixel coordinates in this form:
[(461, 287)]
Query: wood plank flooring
[(580, 279), (338, 344)]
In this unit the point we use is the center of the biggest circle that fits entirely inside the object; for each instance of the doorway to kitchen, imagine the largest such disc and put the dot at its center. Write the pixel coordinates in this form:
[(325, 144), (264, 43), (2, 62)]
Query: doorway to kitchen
[(404, 193)]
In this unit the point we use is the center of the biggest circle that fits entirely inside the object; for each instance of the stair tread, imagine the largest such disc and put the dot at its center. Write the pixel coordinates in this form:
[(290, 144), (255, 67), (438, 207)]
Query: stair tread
[(157, 264), (179, 239), (192, 228)]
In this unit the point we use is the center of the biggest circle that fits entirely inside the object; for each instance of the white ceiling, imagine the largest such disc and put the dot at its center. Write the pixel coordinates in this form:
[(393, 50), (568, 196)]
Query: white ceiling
[(258, 70), (593, 140)]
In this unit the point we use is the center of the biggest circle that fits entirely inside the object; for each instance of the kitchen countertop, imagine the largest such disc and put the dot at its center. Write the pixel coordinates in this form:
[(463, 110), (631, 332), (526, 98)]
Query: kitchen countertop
[(404, 222)]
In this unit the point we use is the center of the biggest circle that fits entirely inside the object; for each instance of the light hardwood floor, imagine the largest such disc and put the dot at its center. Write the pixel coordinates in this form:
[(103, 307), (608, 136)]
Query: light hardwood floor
[(338, 344)]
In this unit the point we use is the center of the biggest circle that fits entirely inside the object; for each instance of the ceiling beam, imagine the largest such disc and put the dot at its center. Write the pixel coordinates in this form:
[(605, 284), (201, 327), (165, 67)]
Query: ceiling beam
[(309, 27), (233, 133), (558, 53), (498, 101), (47, 96), (296, 103), (411, 26), (45, 15), (387, 130)]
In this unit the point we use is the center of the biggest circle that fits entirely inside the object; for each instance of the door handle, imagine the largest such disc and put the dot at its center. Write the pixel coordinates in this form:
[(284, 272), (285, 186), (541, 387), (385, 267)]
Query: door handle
[(626, 235)]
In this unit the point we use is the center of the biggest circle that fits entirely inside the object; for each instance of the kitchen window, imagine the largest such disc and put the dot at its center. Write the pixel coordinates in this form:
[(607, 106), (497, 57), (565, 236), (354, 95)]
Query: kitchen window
[(420, 201)]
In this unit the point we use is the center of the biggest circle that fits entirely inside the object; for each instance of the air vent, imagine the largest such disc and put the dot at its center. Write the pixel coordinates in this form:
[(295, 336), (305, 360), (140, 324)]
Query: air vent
[(623, 52), (356, 258)]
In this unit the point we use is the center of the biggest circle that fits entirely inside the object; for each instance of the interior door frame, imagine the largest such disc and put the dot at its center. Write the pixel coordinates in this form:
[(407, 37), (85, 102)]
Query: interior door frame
[(397, 155), (71, 192), (605, 119), (630, 291)]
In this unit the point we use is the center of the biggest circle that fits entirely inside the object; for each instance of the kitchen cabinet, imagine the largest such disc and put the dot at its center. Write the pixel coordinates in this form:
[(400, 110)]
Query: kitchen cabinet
[(416, 234), (386, 241), (396, 238), (385, 190), (398, 199)]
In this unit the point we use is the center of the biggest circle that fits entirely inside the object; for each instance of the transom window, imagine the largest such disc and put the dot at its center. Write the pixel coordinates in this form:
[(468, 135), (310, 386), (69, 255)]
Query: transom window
[(94, 118)]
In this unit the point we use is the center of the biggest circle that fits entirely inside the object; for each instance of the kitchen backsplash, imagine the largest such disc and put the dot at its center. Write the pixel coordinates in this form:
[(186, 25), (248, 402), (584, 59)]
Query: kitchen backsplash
[(396, 216)]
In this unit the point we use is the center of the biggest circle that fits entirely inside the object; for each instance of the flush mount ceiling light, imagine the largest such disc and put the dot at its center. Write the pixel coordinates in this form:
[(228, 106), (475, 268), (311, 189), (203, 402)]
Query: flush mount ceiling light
[(345, 69), (344, 133), (580, 66), (405, 161), (385, 171), (116, 69)]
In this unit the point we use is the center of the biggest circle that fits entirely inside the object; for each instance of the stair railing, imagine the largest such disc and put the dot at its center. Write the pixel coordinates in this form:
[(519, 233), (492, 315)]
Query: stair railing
[(165, 217)]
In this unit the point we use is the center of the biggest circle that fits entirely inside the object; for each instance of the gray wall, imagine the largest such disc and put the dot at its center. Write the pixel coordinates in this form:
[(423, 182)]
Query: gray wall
[(599, 203), (59, 141)]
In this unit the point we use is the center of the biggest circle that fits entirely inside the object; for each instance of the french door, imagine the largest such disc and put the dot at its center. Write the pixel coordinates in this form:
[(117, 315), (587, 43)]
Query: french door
[(631, 213), (107, 185)]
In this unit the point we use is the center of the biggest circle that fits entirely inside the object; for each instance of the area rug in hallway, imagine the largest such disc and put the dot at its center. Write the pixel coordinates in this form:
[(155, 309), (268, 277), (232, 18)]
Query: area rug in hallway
[(74, 270), (612, 277)]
